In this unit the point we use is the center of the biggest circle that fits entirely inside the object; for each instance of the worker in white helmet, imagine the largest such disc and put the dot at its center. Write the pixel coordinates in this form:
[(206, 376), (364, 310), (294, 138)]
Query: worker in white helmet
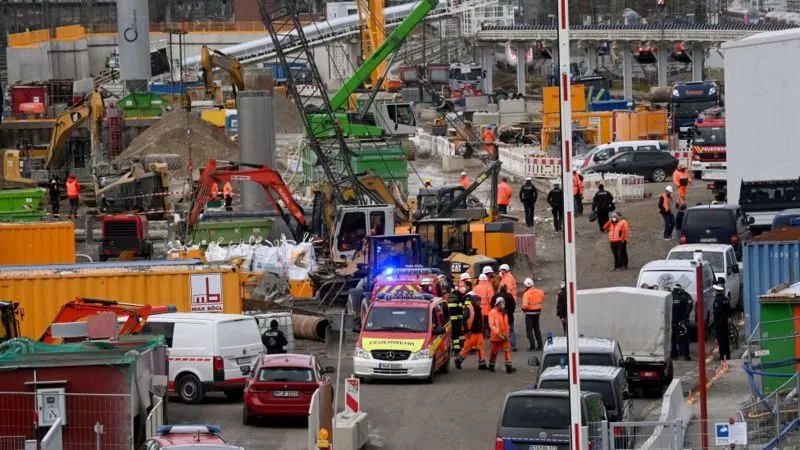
[(485, 291), (465, 182), (464, 282), (665, 208), (532, 303)]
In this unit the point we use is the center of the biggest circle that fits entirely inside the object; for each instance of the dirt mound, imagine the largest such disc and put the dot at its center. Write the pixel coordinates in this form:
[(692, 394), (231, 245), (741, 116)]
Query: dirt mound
[(181, 133)]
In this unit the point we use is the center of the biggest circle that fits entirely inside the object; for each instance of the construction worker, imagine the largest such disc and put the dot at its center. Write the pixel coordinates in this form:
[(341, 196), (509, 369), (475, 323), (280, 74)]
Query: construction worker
[(602, 205), (577, 192), (74, 195), (54, 191), (561, 306), (615, 239), (499, 336), (214, 194), (485, 292), (511, 307), (488, 139), (681, 180), (528, 194), (665, 206), (227, 195), (722, 314), (625, 229), (681, 310), (507, 278), (532, 302), (465, 182), (555, 198), (472, 324), (455, 305), (504, 193), (465, 281), (495, 281)]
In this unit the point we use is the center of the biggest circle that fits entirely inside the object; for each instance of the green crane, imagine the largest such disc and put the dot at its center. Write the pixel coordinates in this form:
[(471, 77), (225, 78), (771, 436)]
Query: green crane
[(357, 125)]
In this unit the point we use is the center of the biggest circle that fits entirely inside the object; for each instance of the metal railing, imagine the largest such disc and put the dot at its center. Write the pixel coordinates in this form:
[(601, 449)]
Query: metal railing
[(650, 435), (155, 419), (772, 419)]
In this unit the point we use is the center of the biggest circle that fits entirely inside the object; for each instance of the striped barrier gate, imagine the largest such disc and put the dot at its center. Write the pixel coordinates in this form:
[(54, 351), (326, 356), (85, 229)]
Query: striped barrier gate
[(683, 157), (622, 187)]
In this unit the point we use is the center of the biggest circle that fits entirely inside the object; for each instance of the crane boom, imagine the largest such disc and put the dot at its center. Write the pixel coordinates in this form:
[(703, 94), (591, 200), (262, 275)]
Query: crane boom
[(392, 43), (373, 33)]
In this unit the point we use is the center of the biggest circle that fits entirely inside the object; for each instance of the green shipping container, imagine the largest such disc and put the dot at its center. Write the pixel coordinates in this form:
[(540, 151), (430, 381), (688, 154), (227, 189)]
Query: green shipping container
[(21, 200), (22, 216), (233, 230), (779, 329), (142, 104)]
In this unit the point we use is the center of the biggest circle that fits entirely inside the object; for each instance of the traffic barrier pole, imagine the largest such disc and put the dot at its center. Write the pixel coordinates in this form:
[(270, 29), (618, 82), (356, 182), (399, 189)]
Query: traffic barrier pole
[(701, 348)]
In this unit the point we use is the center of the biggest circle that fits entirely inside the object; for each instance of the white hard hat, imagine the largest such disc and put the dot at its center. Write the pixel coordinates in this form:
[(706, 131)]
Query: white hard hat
[(464, 276), (471, 293), (463, 174), (483, 277), (487, 269), (528, 282), (528, 179), (669, 189), (719, 288), (500, 302), (505, 267)]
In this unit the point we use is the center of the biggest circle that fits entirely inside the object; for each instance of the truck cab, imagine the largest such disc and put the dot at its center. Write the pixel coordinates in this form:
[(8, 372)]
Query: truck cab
[(354, 224), (689, 99), (709, 152)]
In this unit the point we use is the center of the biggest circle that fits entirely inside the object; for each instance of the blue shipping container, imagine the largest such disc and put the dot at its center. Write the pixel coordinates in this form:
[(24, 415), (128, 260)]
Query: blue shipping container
[(611, 105), (279, 73), (767, 264), (173, 88)]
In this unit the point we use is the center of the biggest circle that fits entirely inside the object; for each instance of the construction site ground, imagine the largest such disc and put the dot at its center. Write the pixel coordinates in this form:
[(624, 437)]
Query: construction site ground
[(444, 408)]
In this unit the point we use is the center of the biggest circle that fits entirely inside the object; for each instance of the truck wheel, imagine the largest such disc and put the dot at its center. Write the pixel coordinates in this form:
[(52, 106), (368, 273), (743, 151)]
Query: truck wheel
[(190, 389)]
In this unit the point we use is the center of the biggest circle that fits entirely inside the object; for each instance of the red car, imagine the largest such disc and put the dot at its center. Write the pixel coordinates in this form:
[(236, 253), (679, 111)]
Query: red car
[(282, 385), (188, 436)]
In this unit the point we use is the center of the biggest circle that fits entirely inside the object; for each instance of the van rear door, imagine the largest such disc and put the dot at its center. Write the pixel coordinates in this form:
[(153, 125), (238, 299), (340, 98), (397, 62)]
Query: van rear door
[(239, 344)]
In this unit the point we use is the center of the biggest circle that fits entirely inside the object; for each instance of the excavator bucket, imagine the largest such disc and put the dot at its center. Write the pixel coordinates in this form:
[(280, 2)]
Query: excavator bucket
[(11, 174)]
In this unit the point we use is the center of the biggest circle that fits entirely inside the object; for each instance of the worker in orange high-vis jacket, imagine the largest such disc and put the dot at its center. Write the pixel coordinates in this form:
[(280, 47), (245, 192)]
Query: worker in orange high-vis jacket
[(214, 193), (485, 292), (472, 326), (504, 193), (625, 230), (577, 192), (507, 278), (465, 182), (681, 180), (532, 302), (488, 139), (617, 235), (498, 338), (227, 195), (74, 195), (465, 282)]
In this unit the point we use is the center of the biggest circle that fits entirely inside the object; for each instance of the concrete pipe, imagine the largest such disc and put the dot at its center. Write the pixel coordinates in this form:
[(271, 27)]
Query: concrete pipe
[(660, 94), (309, 327)]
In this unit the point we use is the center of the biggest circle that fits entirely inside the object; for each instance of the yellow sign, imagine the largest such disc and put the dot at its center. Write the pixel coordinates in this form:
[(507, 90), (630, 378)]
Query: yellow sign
[(411, 345)]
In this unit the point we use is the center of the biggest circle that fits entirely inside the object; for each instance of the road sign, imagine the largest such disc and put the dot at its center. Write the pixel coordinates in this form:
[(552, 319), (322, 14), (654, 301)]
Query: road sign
[(207, 293), (730, 433), (352, 387)]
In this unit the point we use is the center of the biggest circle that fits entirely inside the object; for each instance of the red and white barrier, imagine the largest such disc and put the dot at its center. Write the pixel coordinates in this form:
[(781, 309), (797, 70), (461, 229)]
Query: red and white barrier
[(352, 398)]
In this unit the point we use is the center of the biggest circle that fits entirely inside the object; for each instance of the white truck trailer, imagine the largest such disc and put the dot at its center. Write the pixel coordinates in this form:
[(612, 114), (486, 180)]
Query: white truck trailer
[(640, 321), (761, 95)]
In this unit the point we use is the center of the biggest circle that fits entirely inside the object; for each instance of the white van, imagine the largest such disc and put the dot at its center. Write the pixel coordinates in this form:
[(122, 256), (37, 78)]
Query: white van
[(723, 261), (207, 352), (666, 273), (602, 152)]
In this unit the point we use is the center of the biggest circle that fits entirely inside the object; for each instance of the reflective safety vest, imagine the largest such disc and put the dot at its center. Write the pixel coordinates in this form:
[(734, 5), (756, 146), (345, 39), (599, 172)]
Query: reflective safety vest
[(498, 325), (485, 291), (465, 183), (455, 305), (214, 191), (510, 282), (577, 185), (532, 300), (73, 188), (504, 193), (615, 231), (227, 190), (474, 322)]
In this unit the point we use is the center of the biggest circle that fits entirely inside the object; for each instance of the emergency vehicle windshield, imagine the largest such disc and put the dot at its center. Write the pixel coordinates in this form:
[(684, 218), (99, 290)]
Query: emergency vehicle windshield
[(398, 319), (710, 136)]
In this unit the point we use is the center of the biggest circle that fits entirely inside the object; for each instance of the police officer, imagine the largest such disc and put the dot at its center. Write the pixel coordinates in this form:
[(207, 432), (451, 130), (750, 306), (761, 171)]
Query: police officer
[(274, 339), (681, 308), (722, 313)]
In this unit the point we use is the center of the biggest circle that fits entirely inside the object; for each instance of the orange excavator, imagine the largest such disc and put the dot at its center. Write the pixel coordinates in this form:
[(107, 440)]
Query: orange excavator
[(264, 175)]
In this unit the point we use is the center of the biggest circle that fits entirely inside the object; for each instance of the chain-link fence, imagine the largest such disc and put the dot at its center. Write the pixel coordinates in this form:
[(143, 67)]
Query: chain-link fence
[(90, 421)]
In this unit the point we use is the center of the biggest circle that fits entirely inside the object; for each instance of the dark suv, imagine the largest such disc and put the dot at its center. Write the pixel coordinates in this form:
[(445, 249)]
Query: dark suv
[(716, 224), (653, 165)]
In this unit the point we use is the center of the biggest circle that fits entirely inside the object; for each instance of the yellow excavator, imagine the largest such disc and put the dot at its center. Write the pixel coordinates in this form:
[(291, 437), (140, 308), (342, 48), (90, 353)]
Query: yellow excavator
[(19, 166), (211, 59)]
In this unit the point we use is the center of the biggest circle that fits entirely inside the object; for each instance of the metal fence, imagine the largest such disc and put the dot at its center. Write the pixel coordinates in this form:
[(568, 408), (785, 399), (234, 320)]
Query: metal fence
[(772, 421), (90, 421)]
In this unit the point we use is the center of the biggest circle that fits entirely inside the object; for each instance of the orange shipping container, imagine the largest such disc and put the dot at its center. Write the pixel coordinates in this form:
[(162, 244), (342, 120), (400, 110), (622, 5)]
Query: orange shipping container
[(551, 103), (189, 285), (640, 125), (37, 243)]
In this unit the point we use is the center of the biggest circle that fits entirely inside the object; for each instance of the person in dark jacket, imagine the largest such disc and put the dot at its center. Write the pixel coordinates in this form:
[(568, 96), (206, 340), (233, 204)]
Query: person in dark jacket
[(561, 306), (602, 205), (665, 207), (528, 195), (722, 314), (679, 216), (54, 191), (511, 306), (555, 198), (681, 309), (274, 339)]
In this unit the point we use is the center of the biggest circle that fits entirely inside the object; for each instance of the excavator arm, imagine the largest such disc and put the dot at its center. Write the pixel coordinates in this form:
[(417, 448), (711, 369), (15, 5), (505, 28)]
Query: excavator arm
[(210, 59), (66, 122), (493, 171), (264, 175), (378, 187)]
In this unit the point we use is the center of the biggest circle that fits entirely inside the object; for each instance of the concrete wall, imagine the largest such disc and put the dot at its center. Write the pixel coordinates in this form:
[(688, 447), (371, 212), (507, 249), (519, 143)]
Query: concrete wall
[(51, 60), (29, 64), (69, 59)]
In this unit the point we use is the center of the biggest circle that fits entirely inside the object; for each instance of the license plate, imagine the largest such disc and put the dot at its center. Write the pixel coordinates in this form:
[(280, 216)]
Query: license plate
[(242, 361), (543, 447), (708, 239), (716, 166), (389, 365), (285, 393)]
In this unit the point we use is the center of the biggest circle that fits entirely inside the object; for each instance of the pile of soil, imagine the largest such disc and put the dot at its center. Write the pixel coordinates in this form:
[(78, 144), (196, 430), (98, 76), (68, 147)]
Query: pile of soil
[(287, 116), (184, 134)]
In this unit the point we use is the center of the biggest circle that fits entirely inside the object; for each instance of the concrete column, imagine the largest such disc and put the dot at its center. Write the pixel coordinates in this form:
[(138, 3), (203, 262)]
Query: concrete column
[(627, 70), (487, 61), (522, 69), (256, 141), (698, 56), (591, 58), (662, 56)]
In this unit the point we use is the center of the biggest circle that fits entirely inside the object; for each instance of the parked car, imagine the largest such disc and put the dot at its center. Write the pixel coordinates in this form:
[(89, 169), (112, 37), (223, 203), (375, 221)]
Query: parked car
[(716, 224), (602, 152), (610, 383), (282, 385), (207, 352), (540, 419), (205, 437), (653, 165), (788, 218), (723, 262), (592, 351)]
